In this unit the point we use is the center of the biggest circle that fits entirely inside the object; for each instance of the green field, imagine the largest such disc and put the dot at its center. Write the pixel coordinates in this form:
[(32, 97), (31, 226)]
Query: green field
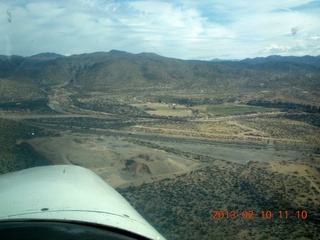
[(232, 109)]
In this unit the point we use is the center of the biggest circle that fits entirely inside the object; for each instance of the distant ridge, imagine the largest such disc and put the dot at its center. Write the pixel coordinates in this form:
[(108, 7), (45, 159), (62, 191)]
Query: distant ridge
[(277, 63), (224, 60), (46, 56), (303, 59), (291, 79)]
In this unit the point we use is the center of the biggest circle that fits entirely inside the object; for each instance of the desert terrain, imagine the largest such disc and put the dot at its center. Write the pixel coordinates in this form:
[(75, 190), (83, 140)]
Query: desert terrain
[(178, 153)]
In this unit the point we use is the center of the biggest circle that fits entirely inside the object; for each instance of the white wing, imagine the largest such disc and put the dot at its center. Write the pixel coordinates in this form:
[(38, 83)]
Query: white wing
[(65, 193)]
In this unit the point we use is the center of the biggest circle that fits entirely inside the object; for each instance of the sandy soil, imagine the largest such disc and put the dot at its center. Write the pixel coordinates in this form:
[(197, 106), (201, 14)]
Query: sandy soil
[(238, 154), (116, 161), (161, 109), (122, 163), (302, 170)]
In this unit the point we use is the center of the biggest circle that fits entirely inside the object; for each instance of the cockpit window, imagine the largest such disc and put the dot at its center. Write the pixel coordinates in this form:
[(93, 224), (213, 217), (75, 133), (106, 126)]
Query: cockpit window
[(59, 230), (204, 115)]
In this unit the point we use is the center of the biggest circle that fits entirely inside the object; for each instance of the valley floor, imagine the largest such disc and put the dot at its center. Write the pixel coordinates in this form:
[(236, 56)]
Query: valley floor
[(193, 166)]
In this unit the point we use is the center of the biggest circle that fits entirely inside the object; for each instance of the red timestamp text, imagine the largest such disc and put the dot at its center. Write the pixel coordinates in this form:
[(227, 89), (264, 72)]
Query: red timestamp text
[(263, 214)]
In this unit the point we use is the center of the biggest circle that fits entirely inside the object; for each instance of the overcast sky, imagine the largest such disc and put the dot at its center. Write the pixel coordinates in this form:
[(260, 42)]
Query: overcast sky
[(186, 29)]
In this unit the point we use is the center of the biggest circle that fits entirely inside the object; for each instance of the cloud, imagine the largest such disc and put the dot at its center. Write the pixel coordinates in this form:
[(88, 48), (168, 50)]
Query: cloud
[(275, 49), (315, 38), (182, 29)]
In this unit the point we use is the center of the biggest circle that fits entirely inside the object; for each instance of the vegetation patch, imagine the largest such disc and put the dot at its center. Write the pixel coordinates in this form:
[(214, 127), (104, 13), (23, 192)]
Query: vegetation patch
[(35, 104), (233, 109), (15, 153), (187, 203)]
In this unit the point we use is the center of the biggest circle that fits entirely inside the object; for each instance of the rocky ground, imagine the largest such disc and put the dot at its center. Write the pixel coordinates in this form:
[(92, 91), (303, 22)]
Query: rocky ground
[(195, 162)]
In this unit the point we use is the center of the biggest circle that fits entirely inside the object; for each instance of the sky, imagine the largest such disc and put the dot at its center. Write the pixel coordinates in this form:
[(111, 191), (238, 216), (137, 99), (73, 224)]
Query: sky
[(185, 29)]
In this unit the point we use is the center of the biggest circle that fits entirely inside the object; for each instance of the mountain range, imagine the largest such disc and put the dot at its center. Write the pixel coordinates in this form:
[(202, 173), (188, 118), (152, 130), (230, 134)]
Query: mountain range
[(291, 79)]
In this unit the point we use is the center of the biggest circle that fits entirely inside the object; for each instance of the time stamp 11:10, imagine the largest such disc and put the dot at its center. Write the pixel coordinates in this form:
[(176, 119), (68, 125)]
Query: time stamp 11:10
[(250, 214)]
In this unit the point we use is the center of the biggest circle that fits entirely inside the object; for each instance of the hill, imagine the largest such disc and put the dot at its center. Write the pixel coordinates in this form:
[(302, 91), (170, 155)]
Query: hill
[(200, 137), (157, 78), (46, 56), (285, 64)]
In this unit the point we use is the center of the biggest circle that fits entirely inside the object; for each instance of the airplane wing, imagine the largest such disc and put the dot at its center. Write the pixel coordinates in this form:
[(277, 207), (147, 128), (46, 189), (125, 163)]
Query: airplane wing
[(66, 202)]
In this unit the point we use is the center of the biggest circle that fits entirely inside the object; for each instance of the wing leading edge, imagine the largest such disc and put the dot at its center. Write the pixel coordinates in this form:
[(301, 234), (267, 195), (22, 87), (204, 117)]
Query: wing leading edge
[(71, 195)]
